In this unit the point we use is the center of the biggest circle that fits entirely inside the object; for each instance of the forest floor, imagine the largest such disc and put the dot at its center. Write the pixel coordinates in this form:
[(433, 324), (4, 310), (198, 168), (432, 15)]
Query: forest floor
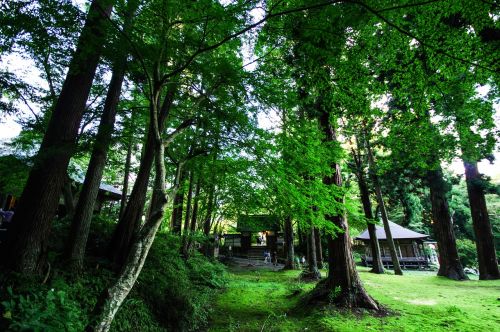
[(265, 299)]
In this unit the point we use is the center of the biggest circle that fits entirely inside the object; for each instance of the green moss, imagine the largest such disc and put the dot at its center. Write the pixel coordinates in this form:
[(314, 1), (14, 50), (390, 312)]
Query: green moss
[(420, 302)]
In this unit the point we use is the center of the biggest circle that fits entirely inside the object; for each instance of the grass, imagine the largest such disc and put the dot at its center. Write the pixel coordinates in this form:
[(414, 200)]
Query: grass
[(266, 301)]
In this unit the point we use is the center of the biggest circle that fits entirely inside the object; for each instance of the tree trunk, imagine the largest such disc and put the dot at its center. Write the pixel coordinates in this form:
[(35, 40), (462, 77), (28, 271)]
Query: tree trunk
[(383, 212), (485, 246), (342, 286), (319, 249), (80, 227), (189, 202), (300, 235), (113, 297), (126, 176), (176, 221), (25, 248), (290, 251), (131, 219), (377, 265), (185, 234), (312, 272), (207, 224), (449, 262), (69, 200), (194, 217), (210, 204)]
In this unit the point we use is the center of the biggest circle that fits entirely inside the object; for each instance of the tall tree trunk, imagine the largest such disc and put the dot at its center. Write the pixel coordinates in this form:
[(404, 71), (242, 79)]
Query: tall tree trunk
[(25, 248), (113, 297), (383, 212), (312, 262), (185, 232), (319, 249), (207, 223), (80, 227), (194, 217), (300, 235), (189, 202), (126, 176), (343, 280), (69, 201), (449, 262), (485, 246), (377, 265), (210, 205), (131, 219), (176, 221), (290, 250)]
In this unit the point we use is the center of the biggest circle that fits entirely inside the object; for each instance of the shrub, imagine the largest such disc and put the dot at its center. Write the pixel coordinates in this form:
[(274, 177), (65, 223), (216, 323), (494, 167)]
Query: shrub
[(171, 294), (178, 292), (50, 310)]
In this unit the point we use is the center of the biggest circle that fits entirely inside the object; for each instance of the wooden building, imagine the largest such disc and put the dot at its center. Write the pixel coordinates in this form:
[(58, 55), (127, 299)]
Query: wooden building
[(106, 194), (256, 234), (409, 247)]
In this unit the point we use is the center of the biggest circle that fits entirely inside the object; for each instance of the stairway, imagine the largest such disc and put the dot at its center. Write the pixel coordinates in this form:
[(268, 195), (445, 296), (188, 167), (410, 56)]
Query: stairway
[(257, 253)]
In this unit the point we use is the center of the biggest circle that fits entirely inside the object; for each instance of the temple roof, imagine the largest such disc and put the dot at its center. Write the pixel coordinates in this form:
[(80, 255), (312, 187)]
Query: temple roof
[(397, 231)]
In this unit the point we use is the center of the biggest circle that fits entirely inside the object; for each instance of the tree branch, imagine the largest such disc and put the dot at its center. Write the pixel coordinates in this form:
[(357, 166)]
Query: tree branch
[(409, 34)]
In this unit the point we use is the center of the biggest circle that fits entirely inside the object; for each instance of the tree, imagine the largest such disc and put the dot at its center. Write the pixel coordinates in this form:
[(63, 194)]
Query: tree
[(377, 265), (32, 221), (85, 207), (343, 278), (469, 111), (383, 212)]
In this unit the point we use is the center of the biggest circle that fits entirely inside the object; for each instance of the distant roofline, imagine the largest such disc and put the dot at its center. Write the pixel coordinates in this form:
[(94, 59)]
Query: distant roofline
[(398, 233)]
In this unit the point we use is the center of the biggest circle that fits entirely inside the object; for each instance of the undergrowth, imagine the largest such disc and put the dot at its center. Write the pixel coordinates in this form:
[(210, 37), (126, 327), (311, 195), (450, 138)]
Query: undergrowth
[(171, 293)]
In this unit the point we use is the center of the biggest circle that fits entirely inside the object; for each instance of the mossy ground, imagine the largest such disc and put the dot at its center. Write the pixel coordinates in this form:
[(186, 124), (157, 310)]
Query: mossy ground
[(258, 300)]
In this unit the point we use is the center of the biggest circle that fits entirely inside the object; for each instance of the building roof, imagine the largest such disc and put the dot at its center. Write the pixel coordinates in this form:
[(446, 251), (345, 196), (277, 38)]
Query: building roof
[(110, 188), (257, 223), (106, 189), (397, 231)]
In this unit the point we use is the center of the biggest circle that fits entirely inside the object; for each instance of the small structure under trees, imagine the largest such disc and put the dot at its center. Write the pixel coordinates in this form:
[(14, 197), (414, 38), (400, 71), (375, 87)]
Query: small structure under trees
[(248, 228), (409, 246)]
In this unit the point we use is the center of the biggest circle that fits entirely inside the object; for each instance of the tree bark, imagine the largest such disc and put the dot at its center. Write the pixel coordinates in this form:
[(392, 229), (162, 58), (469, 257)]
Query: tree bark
[(377, 265), (26, 246), (176, 221), (312, 272), (383, 212), (300, 235), (290, 250), (485, 246), (342, 286), (449, 262), (69, 201), (319, 249), (113, 297), (131, 219), (185, 234), (189, 202), (194, 217), (210, 204), (80, 227), (126, 176), (207, 223)]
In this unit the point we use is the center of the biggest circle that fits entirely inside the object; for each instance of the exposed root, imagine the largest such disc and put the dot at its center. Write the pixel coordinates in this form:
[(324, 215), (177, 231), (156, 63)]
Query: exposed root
[(310, 275), (354, 299), (453, 272)]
